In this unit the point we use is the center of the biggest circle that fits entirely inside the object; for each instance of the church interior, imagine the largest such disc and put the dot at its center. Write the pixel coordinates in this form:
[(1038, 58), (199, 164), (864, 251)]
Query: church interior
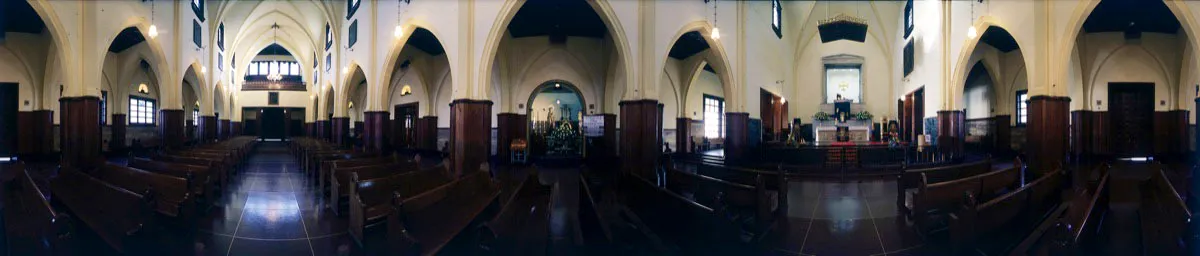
[(599, 127)]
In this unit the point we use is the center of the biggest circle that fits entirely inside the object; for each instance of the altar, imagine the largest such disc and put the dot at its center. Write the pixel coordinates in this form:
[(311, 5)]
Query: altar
[(826, 132)]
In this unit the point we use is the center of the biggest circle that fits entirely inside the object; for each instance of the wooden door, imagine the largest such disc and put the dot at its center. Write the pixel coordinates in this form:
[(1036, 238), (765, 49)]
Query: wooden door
[(1131, 107)]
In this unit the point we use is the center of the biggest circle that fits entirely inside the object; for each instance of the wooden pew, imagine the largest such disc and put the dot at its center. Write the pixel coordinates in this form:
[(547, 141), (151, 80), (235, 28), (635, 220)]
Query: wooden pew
[(341, 178), (370, 199), (317, 160), (676, 220), (198, 177), (32, 226), (741, 202), (123, 219), (324, 172), (424, 223), (912, 178), (523, 225), (1017, 212), (1075, 228), (936, 199), (1165, 217), (171, 195), (594, 225), (219, 173)]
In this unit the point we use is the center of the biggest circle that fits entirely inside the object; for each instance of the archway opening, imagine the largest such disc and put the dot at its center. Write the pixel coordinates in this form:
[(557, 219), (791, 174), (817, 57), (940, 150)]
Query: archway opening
[(700, 97), (273, 96), (134, 94), (555, 114), (993, 97), (422, 69)]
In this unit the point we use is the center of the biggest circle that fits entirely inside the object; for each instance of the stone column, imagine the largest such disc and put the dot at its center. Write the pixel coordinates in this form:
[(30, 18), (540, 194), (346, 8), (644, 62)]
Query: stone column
[(374, 135), (80, 132), (683, 142), (170, 128), (639, 136), (951, 132), (119, 129), (470, 134), (1047, 132), (509, 127), (737, 135), (341, 131)]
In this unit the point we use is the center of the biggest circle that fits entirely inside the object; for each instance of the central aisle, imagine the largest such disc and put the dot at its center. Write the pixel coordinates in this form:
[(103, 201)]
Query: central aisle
[(270, 208)]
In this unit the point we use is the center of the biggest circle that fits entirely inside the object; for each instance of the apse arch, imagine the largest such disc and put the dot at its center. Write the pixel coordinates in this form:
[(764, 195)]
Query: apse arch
[(509, 10), (733, 99), (348, 75), (260, 45), (961, 68), (555, 83)]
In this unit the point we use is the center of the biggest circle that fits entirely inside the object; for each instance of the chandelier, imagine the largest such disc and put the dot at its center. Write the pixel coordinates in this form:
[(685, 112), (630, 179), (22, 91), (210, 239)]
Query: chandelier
[(274, 75)]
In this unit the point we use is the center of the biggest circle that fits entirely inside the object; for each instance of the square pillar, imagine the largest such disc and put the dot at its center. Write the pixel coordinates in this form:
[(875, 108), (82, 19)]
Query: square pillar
[(225, 130), (951, 132), (737, 135), (374, 132), (639, 136), (470, 134), (683, 142), (208, 128), (427, 133), (1047, 132), (341, 131), (80, 132), (236, 130), (171, 129), (509, 127), (119, 129)]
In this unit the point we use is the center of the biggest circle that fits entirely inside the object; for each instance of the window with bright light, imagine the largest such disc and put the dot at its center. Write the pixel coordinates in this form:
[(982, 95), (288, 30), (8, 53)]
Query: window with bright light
[(1022, 107), (844, 80), (777, 18), (196, 114), (714, 116), (141, 111), (328, 36)]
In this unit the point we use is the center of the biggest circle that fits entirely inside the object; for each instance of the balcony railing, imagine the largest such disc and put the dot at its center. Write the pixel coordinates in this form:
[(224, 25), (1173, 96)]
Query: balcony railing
[(281, 85)]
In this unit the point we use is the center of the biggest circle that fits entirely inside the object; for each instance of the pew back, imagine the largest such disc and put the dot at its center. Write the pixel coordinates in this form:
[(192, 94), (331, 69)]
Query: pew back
[(122, 218)]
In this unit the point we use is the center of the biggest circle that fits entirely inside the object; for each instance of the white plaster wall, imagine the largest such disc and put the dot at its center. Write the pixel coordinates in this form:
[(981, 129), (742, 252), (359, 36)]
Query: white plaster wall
[(806, 99), (706, 83), (928, 66), (1153, 60), (978, 96)]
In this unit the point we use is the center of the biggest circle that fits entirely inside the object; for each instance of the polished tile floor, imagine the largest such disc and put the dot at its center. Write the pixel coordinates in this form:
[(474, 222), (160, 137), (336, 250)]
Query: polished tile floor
[(844, 218), (271, 208)]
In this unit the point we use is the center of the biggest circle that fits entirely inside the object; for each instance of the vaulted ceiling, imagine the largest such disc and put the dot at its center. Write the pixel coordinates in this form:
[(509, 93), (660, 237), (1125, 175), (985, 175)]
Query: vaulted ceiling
[(557, 18), (127, 38), (687, 45), (999, 38), (18, 16), (426, 41), (1139, 15)]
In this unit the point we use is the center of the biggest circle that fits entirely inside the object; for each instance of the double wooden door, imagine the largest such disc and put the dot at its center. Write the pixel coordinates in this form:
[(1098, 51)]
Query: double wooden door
[(1131, 106)]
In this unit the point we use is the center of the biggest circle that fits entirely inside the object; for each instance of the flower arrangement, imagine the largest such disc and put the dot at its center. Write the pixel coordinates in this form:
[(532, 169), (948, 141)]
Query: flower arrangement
[(822, 116), (864, 115)]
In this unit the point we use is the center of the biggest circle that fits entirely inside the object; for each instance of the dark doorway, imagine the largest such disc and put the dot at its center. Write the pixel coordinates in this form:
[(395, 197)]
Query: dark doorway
[(273, 123), (1131, 106), (406, 118), (8, 119)]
